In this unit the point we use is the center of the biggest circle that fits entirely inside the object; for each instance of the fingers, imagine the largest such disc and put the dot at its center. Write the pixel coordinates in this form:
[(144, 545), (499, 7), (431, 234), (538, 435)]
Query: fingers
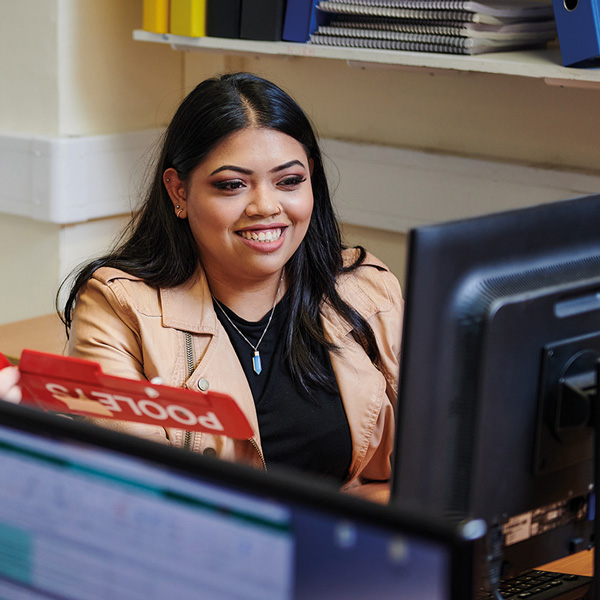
[(9, 390)]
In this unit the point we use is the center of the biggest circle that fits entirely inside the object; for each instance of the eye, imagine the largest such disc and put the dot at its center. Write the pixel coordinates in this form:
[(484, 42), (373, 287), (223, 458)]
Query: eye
[(292, 181), (230, 185)]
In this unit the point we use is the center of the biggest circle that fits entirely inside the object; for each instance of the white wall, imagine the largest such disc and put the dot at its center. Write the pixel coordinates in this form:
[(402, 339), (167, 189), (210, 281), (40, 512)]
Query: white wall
[(70, 68), (28, 268), (29, 65)]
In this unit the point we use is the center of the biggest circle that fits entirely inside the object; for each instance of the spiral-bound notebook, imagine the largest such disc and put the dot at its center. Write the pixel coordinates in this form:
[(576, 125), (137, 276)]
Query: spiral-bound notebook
[(441, 44), (445, 26), (493, 12), (348, 24)]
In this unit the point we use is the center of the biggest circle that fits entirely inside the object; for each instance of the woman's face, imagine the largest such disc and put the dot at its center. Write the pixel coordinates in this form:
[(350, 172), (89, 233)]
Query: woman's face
[(249, 204)]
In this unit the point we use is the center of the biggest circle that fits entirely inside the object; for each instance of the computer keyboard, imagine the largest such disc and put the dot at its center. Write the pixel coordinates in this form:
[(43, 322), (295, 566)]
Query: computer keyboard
[(542, 585)]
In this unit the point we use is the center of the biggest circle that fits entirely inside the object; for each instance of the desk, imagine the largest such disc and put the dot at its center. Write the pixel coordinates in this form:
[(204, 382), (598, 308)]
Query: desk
[(581, 563), (45, 333)]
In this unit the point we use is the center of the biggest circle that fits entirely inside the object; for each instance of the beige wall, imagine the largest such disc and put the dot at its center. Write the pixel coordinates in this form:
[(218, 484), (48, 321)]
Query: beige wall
[(474, 114), (469, 114), (70, 67), (389, 246)]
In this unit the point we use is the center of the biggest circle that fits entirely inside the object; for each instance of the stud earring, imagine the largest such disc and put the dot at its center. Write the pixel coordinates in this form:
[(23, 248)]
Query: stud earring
[(168, 180)]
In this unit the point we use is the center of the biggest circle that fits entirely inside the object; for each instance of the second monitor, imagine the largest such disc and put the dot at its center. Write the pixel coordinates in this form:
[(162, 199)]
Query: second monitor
[(498, 377)]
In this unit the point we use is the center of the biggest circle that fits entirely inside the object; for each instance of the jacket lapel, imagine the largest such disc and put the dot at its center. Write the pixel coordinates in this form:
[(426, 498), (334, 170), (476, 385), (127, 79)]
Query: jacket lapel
[(362, 393)]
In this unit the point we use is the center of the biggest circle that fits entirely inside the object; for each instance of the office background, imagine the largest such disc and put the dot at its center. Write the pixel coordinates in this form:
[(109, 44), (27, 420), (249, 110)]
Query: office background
[(70, 68)]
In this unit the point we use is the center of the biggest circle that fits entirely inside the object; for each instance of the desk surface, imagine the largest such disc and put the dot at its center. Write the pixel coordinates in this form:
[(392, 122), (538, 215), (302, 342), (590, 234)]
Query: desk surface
[(581, 563), (45, 333)]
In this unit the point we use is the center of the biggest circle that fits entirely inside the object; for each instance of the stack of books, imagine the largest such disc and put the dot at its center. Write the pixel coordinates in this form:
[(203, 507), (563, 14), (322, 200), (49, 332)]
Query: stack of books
[(445, 26), (245, 19)]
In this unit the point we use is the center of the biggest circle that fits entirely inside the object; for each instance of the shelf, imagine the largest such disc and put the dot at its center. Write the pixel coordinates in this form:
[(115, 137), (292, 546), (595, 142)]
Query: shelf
[(539, 64)]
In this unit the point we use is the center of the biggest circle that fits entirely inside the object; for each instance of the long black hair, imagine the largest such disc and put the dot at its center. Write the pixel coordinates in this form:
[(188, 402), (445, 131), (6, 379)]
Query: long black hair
[(160, 249)]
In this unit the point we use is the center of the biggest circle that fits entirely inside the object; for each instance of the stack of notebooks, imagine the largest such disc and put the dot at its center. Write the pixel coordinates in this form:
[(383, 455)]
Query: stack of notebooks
[(445, 26)]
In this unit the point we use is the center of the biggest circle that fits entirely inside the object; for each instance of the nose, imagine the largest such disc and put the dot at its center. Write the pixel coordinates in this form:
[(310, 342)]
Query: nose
[(263, 203)]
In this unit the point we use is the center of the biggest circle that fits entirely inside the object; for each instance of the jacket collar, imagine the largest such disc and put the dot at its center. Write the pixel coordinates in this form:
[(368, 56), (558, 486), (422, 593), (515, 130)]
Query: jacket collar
[(189, 306), (356, 294)]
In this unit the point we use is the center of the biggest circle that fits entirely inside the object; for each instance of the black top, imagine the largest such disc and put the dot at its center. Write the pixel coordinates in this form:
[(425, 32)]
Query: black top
[(298, 430)]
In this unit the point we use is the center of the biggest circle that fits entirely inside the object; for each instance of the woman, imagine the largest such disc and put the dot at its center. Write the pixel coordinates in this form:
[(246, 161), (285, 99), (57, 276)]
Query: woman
[(232, 277)]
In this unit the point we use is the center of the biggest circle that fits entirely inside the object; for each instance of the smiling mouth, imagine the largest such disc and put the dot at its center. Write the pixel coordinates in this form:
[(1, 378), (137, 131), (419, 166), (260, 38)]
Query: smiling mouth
[(264, 235)]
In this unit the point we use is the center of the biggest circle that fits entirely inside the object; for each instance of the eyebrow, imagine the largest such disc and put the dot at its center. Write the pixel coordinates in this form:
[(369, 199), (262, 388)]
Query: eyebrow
[(287, 165), (282, 167)]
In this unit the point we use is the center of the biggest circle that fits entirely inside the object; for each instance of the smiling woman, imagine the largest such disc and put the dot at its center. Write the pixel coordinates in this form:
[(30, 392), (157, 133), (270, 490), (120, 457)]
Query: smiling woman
[(233, 277), (248, 205)]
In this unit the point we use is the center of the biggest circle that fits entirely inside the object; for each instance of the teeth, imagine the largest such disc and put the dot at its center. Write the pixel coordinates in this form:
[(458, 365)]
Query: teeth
[(268, 235)]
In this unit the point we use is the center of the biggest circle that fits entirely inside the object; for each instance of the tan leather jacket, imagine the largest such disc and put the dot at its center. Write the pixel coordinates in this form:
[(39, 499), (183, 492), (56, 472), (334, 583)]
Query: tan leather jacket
[(139, 332)]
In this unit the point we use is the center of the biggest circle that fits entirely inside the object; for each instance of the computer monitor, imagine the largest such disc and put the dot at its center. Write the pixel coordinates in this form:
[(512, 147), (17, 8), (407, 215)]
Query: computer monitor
[(90, 514), (498, 375)]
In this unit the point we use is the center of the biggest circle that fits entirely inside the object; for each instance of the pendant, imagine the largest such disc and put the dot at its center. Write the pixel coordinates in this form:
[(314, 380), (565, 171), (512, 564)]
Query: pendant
[(256, 365)]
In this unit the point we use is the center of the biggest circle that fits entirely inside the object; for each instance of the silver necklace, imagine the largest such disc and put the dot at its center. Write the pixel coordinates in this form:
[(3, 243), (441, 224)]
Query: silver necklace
[(256, 364)]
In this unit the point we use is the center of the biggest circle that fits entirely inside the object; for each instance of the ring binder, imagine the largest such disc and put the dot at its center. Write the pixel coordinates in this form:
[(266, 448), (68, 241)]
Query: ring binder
[(262, 20), (223, 18), (577, 22), (156, 16), (188, 17), (300, 20)]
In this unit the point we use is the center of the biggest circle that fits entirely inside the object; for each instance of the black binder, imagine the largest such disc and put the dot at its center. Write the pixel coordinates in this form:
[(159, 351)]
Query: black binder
[(262, 20), (223, 18)]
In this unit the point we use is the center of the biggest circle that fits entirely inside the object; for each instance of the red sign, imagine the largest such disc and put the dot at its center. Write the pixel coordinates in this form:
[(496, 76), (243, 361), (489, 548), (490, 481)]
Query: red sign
[(79, 387)]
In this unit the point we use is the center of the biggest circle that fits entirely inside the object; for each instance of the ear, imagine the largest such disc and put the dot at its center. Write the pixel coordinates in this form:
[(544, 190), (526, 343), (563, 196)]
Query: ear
[(311, 165), (177, 192)]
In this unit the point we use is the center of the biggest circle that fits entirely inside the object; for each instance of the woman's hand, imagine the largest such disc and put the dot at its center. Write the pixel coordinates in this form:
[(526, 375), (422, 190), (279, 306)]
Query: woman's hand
[(9, 389), (375, 491)]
